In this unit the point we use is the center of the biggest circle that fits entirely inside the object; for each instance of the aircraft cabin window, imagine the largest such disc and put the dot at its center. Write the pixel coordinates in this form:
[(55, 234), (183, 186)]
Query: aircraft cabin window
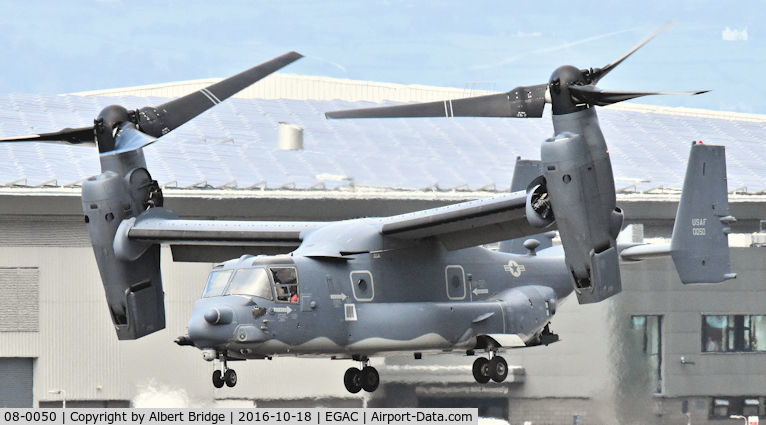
[(253, 282), (286, 283), (216, 283)]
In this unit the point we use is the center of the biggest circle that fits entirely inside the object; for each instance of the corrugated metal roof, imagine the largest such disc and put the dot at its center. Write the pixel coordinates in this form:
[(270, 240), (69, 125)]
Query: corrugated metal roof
[(234, 145)]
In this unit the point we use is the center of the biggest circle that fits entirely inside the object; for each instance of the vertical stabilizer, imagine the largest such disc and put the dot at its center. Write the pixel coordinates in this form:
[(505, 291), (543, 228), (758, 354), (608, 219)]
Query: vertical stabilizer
[(524, 172), (699, 246)]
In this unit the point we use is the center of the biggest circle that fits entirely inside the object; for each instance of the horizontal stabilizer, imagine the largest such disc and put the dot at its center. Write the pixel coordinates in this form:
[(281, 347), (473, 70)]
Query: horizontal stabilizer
[(644, 252)]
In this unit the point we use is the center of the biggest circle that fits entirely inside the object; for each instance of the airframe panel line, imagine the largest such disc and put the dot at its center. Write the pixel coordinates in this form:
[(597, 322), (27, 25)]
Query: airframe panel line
[(502, 312)]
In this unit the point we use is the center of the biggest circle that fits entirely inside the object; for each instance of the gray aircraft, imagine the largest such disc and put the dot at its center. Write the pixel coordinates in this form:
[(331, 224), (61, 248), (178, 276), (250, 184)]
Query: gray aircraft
[(419, 282)]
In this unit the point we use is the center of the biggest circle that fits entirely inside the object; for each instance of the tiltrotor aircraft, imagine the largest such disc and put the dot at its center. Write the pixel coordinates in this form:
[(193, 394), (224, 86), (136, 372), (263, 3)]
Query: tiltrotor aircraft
[(417, 282)]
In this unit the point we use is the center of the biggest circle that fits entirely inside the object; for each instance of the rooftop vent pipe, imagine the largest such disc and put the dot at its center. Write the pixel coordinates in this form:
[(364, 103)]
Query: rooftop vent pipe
[(290, 137)]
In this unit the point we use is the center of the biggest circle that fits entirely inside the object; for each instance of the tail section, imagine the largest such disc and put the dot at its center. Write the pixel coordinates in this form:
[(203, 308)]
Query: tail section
[(524, 172), (699, 246)]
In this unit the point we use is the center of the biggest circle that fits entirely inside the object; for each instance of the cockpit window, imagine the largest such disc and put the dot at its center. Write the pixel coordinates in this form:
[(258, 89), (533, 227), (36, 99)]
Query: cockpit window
[(253, 282), (285, 283), (216, 283)]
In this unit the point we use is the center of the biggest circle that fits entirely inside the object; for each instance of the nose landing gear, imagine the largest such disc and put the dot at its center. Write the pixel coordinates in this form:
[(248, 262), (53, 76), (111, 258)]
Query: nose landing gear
[(224, 375), (495, 368), (356, 379)]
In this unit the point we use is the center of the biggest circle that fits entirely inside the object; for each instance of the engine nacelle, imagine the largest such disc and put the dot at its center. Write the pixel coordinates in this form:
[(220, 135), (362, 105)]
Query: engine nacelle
[(588, 226), (539, 211), (133, 286)]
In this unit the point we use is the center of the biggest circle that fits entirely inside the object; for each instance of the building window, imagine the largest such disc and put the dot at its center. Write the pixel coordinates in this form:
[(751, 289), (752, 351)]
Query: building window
[(723, 407), (733, 333), (751, 406), (720, 408), (647, 332)]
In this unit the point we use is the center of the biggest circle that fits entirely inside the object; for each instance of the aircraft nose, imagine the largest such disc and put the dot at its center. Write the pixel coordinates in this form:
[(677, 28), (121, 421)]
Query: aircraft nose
[(219, 316), (210, 326)]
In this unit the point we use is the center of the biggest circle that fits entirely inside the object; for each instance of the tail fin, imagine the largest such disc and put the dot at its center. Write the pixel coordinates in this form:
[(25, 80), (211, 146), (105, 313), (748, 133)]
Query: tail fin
[(699, 245), (524, 172)]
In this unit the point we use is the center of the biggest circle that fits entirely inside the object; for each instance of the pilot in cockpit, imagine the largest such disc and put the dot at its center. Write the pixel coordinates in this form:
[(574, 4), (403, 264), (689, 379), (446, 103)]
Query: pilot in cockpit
[(286, 283)]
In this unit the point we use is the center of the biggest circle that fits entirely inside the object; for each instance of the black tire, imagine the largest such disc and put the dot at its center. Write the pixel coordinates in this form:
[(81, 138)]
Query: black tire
[(352, 380), (217, 380), (498, 368), (481, 370), (370, 379), (230, 377)]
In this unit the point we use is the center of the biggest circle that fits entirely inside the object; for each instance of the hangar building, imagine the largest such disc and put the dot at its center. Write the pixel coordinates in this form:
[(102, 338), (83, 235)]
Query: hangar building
[(646, 355)]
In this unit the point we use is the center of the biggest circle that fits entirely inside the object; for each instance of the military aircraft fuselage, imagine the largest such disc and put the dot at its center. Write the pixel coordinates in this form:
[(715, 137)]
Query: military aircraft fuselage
[(411, 282), (414, 297)]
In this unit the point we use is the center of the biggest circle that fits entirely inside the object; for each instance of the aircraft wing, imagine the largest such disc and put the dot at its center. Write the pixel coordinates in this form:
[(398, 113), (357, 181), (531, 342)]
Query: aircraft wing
[(217, 240), (467, 223)]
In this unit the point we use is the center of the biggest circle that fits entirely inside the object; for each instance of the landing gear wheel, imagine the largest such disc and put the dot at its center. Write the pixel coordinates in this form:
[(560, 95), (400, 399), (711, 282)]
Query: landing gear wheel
[(481, 370), (498, 369), (217, 380), (370, 379), (352, 380), (230, 377)]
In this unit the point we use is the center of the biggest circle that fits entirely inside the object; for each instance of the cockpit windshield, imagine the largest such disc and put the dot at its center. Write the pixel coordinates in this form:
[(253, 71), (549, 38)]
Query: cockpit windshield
[(253, 282), (216, 283)]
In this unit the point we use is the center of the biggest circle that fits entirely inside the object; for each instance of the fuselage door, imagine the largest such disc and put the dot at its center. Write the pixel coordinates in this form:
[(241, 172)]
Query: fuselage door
[(455, 280)]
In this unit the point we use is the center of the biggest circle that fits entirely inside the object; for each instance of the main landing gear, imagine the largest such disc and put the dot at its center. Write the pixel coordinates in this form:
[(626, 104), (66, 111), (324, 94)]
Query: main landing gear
[(366, 378), (224, 376), (495, 368)]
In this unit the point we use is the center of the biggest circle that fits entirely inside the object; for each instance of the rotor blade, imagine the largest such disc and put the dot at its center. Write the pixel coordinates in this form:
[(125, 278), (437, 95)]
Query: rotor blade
[(599, 73), (178, 111), (521, 102), (129, 138), (73, 136), (595, 96)]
